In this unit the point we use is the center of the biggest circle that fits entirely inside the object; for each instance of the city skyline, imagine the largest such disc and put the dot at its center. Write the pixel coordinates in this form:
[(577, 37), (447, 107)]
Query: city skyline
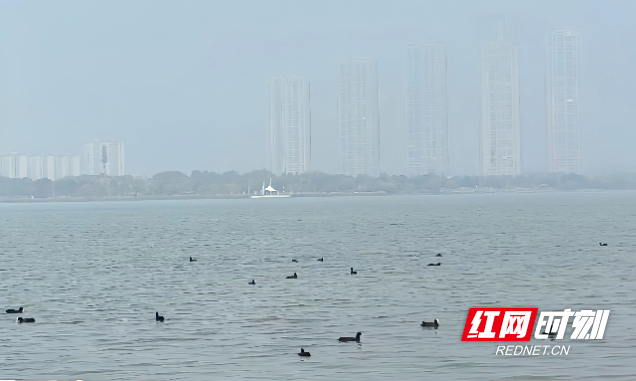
[(185, 114), (100, 158), (36, 167)]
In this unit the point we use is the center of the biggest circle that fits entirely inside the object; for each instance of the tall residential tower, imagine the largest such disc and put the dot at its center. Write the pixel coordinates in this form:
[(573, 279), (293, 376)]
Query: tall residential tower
[(289, 141), (426, 113), (562, 101), (359, 118), (500, 148), (104, 158)]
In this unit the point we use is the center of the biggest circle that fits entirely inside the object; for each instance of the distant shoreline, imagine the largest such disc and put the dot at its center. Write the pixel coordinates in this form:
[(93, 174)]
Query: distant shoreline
[(24, 200)]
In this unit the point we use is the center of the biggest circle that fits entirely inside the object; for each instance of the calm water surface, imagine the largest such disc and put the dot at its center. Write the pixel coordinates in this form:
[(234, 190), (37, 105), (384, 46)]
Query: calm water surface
[(93, 275)]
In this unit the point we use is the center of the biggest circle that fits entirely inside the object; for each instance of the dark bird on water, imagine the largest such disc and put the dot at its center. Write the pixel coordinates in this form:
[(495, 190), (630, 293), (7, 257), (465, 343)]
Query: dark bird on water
[(438, 255), (252, 282), (158, 318), (345, 339), (26, 320), (292, 276), (303, 353), (18, 311), (293, 260), (437, 264), (430, 324), (353, 272), (321, 259), (602, 244), (192, 259)]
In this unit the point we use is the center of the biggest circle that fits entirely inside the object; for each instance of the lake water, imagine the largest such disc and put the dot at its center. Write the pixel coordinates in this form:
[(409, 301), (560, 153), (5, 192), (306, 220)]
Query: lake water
[(93, 275)]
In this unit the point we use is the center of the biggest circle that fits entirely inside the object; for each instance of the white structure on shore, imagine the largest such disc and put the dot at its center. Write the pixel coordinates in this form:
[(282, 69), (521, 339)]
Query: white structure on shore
[(359, 118), (500, 151), (289, 117), (426, 112), (562, 101), (104, 158)]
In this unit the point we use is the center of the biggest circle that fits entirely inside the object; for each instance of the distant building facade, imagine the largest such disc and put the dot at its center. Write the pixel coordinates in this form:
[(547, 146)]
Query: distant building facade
[(48, 167), (14, 165), (562, 101), (359, 117), (426, 110), (500, 150), (66, 166), (8, 165), (289, 117), (39, 167), (36, 167), (104, 158)]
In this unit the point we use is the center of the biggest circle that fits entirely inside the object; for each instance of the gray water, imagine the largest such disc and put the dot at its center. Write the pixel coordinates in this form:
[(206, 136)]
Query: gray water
[(93, 275)]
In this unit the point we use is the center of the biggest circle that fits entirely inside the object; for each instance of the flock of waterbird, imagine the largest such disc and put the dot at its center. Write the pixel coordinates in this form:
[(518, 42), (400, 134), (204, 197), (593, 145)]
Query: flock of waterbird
[(302, 353), (344, 339)]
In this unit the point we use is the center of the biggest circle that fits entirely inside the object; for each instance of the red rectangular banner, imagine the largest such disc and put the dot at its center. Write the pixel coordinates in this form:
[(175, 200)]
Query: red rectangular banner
[(499, 324)]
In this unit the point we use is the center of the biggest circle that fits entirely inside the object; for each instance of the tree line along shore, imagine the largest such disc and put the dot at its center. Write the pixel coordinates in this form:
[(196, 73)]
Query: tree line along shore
[(199, 184)]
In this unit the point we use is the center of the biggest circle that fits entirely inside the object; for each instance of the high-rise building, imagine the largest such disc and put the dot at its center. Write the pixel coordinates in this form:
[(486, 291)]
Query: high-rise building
[(500, 152), (22, 169), (36, 167), (48, 167), (426, 112), (289, 141), (104, 158), (74, 166), (562, 101), (43, 167), (359, 117), (8, 165), (67, 166), (14, 166), (61, 167)]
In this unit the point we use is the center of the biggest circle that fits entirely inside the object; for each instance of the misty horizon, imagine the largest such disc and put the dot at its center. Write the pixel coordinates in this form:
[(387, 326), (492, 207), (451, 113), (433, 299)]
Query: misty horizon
[(185, 87)]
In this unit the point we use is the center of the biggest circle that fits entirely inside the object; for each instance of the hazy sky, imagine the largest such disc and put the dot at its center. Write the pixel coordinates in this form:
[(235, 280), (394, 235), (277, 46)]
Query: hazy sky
[(182, 83)]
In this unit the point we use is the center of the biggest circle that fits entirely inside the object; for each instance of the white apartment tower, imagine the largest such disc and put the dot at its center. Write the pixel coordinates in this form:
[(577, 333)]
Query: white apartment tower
[(67, 166), (48, 167), (36, 167), (8, 165), (289, 117), (359, 117), (14, 166), (562, 101), (104, 158), (500, 148), (426, 112)]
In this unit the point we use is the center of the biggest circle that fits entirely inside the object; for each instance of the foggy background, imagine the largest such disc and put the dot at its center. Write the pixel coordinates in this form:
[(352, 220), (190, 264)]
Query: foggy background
[(182, 83)]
